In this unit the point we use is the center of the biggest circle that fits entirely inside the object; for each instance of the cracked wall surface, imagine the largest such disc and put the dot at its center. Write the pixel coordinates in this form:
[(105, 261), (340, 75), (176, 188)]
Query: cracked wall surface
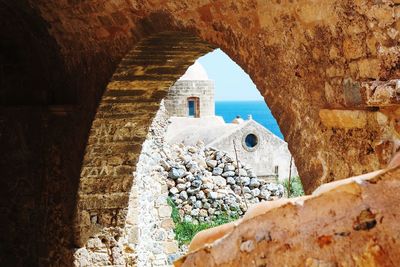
[(328, 71)]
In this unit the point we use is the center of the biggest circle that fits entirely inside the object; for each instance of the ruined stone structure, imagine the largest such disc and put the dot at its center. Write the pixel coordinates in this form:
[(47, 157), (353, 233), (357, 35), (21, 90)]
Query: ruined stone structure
[(257, 147), (192, 95), (80, 82), (266, 153), (190, 103)]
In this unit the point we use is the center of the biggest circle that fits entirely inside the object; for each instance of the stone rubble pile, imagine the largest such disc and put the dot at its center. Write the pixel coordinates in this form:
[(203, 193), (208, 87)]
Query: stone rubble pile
[(204, 183)]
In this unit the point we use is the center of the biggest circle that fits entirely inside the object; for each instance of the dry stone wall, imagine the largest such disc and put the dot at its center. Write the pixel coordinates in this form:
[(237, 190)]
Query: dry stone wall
[(205, 183), (149, 215), (147, 239)]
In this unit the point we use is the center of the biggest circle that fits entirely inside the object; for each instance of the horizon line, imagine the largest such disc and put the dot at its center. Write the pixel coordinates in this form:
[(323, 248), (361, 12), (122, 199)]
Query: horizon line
[(237, 100)]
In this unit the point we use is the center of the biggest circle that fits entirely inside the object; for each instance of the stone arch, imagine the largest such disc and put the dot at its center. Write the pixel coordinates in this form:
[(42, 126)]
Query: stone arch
[(306, 60), (318, 95), (125, 112)]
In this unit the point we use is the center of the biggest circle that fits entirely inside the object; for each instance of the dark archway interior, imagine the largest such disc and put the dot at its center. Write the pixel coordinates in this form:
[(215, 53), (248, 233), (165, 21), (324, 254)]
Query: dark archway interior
[(44, 124), (48, 153), (32, 86)]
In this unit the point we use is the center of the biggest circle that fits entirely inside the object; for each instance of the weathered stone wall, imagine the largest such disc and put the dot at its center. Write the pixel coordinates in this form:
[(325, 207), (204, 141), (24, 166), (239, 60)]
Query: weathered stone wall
[(147, 238), (149, 214), (315, 62), (176, 101)]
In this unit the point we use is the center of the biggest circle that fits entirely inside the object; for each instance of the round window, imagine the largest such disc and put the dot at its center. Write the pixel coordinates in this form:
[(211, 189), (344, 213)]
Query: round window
[(251, 140)]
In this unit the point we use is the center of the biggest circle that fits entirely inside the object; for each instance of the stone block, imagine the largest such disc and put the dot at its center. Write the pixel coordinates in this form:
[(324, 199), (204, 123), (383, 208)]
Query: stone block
[(164, 211), (100, 259), (167, 223), (334, 118), (334, 71), (159, 235), (384, 150), (161, 200), (379, 93), (353, 47), (352, 94), (381, 119), (383, 14), (369, 68), (95, 244), (133, 235), (171, 247), (372, 45)]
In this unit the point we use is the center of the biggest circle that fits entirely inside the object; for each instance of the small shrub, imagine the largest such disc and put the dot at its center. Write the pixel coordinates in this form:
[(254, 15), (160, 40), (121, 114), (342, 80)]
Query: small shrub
[(296, 187), (185, 231), (175, 212)]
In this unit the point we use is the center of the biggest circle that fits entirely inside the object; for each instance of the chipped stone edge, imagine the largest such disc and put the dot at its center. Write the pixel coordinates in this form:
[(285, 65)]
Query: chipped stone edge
[(299, 201)]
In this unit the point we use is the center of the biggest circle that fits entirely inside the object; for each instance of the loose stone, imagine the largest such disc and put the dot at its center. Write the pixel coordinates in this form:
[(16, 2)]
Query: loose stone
[(175, 173), (211, 163), (174, 190), (217, 171), (228, 174)]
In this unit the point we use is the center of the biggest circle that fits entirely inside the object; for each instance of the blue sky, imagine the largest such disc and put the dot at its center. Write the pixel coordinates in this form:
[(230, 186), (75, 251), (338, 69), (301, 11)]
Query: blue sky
[(231, 82)]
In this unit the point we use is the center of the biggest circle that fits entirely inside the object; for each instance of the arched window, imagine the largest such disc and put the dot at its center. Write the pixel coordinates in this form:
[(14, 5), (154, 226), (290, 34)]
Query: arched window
[(193, 107)]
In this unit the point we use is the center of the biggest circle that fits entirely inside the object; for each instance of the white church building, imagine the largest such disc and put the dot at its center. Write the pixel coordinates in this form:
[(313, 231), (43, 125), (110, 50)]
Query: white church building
[(190, 103)]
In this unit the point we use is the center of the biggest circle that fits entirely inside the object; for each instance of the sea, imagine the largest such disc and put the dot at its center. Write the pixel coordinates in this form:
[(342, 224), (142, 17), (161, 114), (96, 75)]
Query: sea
[(258, 109)]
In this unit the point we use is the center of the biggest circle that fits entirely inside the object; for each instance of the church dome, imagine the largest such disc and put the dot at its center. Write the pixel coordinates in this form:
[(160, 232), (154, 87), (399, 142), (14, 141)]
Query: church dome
[(237, 120), (195, 72)]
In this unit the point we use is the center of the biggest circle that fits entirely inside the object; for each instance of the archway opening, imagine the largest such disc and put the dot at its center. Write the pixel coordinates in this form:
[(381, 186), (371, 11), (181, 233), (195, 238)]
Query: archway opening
[(109, 197), (221, 144), (235, 92), (118, 132)]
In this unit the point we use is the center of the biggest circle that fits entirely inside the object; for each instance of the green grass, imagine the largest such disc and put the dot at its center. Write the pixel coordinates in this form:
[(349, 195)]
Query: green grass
[(185, 231), (296, 187)]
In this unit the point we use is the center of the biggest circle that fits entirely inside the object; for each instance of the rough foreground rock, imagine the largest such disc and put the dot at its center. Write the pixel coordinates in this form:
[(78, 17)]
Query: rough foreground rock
[(346, 223)]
